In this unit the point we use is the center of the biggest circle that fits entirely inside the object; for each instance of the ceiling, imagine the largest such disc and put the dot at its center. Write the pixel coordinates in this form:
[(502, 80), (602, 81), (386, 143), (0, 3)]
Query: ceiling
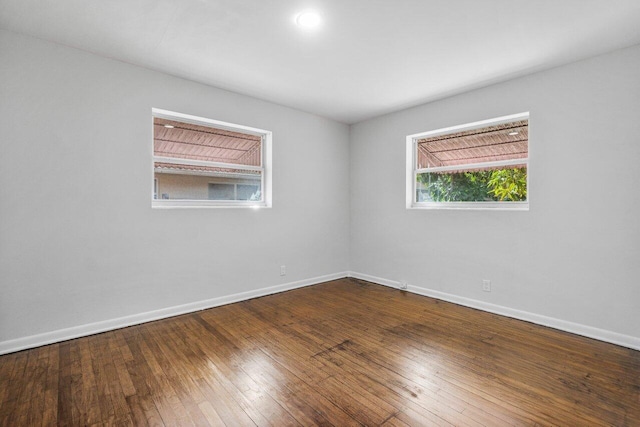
[(368, 58)]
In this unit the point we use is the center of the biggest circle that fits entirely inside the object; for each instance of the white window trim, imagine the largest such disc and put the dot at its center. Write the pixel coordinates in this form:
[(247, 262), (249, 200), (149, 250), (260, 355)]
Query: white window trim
[(266, 167), (412, 172)]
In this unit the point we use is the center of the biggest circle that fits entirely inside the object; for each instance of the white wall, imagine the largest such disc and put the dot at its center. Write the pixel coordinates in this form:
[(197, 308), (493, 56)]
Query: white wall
[(575, 256), (79, 242)]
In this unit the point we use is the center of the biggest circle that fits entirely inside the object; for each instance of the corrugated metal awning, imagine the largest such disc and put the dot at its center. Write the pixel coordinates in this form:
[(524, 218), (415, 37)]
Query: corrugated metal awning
[(507, 141), (194, 142)]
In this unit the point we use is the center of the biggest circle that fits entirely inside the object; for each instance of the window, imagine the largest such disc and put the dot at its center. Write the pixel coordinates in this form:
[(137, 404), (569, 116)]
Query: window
[(200, 162), (481, 165)]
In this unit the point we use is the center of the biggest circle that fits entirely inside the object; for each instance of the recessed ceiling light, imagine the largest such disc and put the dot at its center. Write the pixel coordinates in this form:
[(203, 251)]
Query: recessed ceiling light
[(513, 133), (308, 20), (169, 126)]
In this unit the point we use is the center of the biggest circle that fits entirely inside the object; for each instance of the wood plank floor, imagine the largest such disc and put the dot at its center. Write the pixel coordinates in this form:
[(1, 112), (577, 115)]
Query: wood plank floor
[(343, 353)]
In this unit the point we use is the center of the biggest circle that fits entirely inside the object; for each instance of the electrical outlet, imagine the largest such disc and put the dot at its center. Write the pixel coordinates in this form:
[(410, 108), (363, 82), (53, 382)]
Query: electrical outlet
[(404, 285), (486, 285), (283, 270)]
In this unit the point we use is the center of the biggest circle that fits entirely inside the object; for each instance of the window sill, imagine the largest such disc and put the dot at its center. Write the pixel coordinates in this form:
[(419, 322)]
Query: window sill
[(185, 204), (488, 206)]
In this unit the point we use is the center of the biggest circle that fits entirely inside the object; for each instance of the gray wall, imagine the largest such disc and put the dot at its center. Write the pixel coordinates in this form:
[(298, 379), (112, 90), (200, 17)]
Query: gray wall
[(575, 255), (79, 242)]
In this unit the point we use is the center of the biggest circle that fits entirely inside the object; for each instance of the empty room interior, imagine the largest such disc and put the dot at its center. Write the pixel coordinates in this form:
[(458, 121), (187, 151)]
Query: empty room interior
[(336, 213)]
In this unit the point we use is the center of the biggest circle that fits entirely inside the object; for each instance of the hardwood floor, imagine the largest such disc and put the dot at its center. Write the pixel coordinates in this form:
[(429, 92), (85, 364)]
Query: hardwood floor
[(343, 353)]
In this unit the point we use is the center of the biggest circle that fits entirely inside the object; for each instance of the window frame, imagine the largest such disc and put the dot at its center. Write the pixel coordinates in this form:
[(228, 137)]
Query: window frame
[(265, 168), (412, 171)]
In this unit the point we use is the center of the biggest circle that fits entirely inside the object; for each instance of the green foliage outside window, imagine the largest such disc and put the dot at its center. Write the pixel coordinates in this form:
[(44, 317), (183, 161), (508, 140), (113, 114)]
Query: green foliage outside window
[(480, 186)]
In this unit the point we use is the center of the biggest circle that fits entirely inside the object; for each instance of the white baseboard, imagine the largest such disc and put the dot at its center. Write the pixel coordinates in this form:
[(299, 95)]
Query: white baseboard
[(563, 325), (38, 340), (32, 341)]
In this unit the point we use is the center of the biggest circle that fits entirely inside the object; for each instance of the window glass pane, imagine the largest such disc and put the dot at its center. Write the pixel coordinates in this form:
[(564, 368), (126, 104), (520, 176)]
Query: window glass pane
[(187, 141), (184, 182), (507, 184), (506, 141)]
